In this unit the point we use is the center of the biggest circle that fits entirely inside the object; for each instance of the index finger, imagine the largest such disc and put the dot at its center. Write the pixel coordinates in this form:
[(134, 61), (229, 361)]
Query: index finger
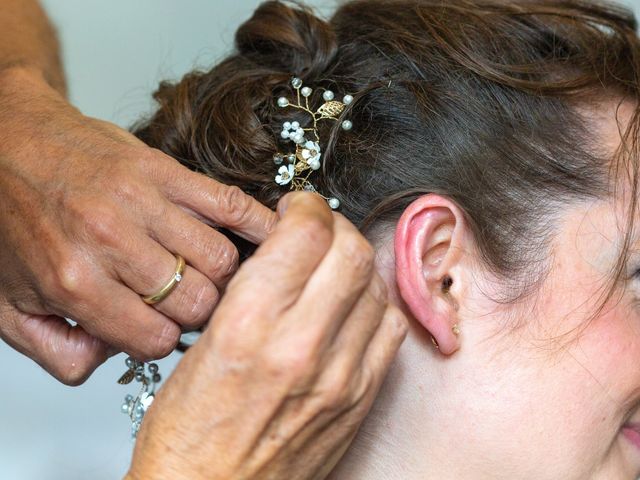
[(283, 264), (224, 205)]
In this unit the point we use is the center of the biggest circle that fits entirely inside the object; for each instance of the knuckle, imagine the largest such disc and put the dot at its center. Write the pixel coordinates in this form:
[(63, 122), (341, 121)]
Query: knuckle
[(128, 190), (312, 230), (199, 304), (359, 254), (236, 204), (163, 343), (102, 225), (336, 393), (298, 362), (75, 375), (378, 290), (221, 259), (68, 281)]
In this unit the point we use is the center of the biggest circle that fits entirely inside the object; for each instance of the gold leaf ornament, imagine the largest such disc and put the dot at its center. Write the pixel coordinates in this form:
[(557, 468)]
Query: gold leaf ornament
[(332, 108)]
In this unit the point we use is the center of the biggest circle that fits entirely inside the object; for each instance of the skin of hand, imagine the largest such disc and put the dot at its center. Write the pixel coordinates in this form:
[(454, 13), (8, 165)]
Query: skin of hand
[(289, 366), (90, 219)]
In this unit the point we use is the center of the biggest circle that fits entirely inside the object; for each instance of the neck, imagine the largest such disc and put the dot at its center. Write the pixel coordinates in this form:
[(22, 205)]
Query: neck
[(399, 438)]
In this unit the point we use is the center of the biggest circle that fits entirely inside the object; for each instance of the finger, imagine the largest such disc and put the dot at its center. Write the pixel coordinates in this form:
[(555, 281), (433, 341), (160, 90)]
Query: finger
[(338, 282), (285, 261), (67, 352), (353, 339), (207, 250), (146, 267), (383, 347), (226, 206), (120, 318)]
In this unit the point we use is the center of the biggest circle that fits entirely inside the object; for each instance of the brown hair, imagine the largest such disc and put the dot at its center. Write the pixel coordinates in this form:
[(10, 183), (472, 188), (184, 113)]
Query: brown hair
[(477, 100)]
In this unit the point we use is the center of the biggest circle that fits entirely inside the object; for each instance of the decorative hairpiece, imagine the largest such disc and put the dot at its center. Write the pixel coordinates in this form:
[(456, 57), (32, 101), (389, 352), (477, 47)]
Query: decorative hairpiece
[(306, 158), (136, 407)]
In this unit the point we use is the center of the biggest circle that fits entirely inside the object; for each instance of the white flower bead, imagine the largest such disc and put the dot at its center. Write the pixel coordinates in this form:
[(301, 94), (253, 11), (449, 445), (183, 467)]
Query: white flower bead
[(283, 102), (311, 153), (295, 125), (306, 91), (298, 138), (285, 175), (347, 99), (347, 125), (284, 134), (328, 95), (334, 203), (286, 125)]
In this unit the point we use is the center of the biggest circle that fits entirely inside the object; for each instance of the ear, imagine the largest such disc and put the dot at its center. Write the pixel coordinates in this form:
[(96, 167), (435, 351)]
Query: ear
[(430, 241)]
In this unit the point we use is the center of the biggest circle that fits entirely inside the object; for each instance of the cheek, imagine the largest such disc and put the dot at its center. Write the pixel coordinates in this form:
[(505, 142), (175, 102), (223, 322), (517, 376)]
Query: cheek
[(608, 350)]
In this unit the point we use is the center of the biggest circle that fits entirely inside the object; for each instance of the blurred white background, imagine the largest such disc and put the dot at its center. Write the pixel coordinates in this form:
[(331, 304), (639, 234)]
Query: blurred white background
[(115, 54)]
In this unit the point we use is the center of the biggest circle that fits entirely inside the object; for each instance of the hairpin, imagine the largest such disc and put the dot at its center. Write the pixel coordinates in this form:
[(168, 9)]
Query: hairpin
[(136, 407), (306, 158)]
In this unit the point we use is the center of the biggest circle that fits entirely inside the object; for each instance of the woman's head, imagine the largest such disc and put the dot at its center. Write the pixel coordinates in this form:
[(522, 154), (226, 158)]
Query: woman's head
[(493, 144)]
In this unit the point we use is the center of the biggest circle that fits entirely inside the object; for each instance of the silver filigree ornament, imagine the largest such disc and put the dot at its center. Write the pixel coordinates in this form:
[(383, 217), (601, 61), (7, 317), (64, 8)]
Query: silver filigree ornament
[(136, 407), (308, 153)]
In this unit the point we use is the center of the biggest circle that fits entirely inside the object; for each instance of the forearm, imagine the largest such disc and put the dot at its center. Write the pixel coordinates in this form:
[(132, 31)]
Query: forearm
[(27, 39)]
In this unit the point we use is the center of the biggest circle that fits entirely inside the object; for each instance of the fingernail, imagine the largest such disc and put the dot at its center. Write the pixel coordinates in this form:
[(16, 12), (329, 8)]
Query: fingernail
[(284, 203)]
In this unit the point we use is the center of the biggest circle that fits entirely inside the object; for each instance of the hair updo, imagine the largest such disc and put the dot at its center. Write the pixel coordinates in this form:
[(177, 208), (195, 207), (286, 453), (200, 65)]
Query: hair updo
[(473, 99)]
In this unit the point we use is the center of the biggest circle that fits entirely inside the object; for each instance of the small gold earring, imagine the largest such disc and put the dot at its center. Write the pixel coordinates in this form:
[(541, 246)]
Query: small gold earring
[(433, 340), (456, 330)]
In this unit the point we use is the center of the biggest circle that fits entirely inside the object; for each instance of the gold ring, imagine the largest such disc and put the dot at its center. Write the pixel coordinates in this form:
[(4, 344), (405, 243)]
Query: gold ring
[(168, 288)]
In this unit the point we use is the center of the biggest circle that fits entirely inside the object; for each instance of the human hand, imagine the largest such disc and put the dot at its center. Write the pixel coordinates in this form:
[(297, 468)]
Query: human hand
[(279, 382), (90, 219)]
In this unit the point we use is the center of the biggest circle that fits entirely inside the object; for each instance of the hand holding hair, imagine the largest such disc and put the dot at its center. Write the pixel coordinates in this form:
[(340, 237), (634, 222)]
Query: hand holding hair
[(91, 221), (289, 366)]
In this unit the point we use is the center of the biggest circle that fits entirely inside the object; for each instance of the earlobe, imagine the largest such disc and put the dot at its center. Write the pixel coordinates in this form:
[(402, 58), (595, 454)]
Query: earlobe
[(428, 249)]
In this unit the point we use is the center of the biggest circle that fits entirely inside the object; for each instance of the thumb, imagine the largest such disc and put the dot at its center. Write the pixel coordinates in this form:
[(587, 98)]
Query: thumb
[(66, 351)]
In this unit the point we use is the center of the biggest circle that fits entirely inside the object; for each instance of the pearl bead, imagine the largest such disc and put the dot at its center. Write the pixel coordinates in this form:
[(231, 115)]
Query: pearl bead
[(347, 99), (153, 367), (309, 188), (346, 125), (129, 362), (306, 91), (277, 159), (334, 203), (315, 165), (124, 408), (283, 102), (291, 158), (139, 376), (296, 82), (156, 378), (328, 95)]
